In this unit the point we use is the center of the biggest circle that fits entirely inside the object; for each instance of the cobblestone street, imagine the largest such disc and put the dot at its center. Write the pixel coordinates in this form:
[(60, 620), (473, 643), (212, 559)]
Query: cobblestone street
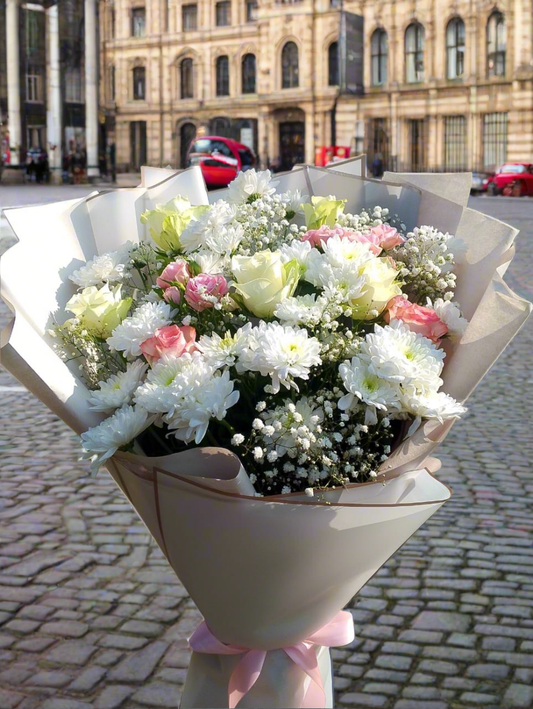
[(92, 616)]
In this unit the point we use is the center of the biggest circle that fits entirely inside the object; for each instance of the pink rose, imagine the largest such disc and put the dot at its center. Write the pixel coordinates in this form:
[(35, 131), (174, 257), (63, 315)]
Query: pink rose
[(175, 271), (386, 236), (172, 295), (205, 290), (316, 236), (170, 340), (419, 319)]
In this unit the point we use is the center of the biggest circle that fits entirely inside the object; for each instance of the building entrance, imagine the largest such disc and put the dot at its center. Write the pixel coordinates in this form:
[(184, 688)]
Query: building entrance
[(291, 144)]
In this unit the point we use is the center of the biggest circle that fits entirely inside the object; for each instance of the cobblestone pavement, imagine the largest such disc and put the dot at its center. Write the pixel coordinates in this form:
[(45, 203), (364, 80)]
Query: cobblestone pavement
[(92, 616)]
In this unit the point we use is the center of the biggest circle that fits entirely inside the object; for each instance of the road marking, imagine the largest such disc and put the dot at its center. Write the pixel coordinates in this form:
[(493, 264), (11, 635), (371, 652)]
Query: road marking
[(12, 388)]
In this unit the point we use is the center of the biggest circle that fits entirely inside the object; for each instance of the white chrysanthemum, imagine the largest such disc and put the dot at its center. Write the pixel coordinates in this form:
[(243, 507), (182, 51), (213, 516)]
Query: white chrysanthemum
[(280, 352), (435, 405), (133, 331), (170, 380), (340, 265), (208, 225), (395, 353), (450, 315), (294, 200), (225, 240), (211, 262), (301, 310), (224, 351), (107, 268), (118, 389), (251, 184), (364, 385), (298, 250), (203, 403), (104, 440)]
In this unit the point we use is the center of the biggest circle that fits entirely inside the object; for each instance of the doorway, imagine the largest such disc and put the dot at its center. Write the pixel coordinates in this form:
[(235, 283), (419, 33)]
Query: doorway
[(187, 135), (291, 144), (137, 144)]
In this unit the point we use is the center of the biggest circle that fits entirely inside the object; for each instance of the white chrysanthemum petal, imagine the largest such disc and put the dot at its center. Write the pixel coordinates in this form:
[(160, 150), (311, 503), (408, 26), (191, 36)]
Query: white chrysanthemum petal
[(301, 310), (140, 326), (104, 440), (208, 225), (367, 387), (118, 389), (250, 183), (435, 405), (450, 315), (108, 268)]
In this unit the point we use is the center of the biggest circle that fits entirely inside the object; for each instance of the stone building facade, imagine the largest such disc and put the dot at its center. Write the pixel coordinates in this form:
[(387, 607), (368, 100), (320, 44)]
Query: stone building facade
[(447, 85)]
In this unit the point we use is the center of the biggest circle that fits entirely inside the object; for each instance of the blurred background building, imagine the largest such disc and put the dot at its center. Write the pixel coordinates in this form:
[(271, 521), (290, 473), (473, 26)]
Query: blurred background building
[(417, 84), (49, 85)]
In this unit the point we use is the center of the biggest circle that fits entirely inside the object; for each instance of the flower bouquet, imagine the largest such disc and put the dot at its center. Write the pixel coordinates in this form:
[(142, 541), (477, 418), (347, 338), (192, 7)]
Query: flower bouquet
[(265, 372)]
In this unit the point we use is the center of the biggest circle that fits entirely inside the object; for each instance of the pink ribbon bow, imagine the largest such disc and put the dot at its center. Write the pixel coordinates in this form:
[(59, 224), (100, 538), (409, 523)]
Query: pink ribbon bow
[(339, 631)]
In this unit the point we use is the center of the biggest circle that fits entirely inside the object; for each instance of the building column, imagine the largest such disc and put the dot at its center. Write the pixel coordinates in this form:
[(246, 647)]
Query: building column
[(13, 80), (53, 113), (91, 90)]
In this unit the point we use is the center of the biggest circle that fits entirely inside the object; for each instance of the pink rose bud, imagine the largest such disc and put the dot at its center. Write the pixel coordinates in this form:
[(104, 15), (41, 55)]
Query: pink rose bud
[(205, 290), (170, 340), (387, 236), (172, 295), (419, 319), (318, 236), (175, 271)]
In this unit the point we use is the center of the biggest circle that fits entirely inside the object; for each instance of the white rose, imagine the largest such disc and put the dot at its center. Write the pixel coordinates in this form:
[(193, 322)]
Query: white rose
[(380, 287), (100, 311), (263, 281)]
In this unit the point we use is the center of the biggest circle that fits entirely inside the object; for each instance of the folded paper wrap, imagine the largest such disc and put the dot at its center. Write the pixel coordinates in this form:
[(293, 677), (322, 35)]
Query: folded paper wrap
[(261, 570)]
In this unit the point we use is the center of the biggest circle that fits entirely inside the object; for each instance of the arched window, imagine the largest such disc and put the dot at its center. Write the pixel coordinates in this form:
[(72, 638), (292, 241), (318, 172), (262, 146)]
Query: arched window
[(379, 50), (414, 53), (222, 76), (248, 74), (455, 48), (333, 64), (496, 44), (186, 80), (289, 66)]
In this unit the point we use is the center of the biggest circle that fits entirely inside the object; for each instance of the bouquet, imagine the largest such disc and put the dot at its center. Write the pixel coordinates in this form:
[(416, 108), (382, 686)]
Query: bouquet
[(269, 368)]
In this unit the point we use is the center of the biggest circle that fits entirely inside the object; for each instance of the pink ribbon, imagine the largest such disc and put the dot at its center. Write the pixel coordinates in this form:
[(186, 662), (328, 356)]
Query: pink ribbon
[(339, 631)]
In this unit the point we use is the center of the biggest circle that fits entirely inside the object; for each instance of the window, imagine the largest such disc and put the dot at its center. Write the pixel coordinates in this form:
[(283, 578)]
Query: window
[(455, 48), (251, 10), (112, 83), (186, 78), (378, 144), (455, 143), (494, 140), (138, 22), (32, 31), (222, 68), (289, 66), (379, 51), (73, 85), (112, 22), (223, 10), (189, 17), (139, 83), (496, 44), (33, 85), (414, 53), (248, 74), (333, 64), (417, 144)]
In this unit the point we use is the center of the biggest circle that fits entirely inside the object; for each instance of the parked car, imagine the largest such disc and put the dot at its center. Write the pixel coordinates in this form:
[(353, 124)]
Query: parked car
[(480, 182), (513, 179), (220, 159)]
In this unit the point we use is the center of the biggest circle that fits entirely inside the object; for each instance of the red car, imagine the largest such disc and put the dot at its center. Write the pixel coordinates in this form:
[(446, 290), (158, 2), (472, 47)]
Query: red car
[(513, 179), (220, 159)]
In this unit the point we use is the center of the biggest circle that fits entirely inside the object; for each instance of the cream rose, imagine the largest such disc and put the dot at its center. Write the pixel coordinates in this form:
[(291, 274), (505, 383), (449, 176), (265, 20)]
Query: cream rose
[(167, 221), (263, 281), (380, 287), (99, 310)]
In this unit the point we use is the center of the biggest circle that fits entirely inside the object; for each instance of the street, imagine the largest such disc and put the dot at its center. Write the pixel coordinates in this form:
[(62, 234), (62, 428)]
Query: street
[(92, 616)]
